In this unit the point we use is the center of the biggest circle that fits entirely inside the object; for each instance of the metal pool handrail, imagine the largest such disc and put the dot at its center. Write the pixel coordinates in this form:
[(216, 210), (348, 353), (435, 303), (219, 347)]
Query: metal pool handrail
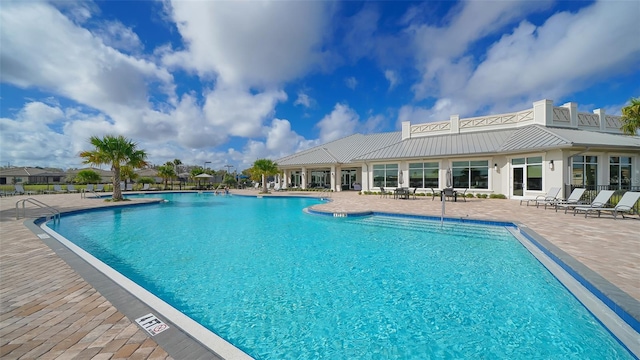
[(55, 214)]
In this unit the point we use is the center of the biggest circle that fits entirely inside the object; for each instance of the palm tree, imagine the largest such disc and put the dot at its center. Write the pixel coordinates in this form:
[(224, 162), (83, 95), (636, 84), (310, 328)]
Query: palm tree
[(166, 172), (116, 151), (631, 117), (176, 163), (261, 169), (128, 174)]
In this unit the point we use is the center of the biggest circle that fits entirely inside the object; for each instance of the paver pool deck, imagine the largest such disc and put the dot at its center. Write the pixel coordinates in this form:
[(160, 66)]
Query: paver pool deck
[(48, 311)]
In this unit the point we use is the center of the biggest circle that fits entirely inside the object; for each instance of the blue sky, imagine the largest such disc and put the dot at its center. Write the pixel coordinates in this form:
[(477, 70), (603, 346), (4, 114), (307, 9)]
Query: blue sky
[(233, 81)]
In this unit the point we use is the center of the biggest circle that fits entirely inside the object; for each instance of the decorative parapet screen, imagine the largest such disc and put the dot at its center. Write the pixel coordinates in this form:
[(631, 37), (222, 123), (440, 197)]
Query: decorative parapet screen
[(502, 119), (587, 119), (612, 121), (561, 115), (431, 127)]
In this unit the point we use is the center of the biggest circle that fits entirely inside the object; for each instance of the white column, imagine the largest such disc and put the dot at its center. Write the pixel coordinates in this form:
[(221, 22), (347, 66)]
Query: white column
[(303, 178), (543, 112), (406, 130), (573, 113), (338, 178), (601, 116), (285, 183), (333, 178), (455, 124)]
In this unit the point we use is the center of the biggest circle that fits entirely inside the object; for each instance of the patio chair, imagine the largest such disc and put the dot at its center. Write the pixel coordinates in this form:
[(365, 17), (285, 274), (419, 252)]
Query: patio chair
[(450, 193), (626, 204), (89, 188), (383, 192), (71, 188), (100, 187), (58, 189), (600, 201), (551, 195), (145, 187), (572, 201), (463, 194), (129, 187), (19, 190), (414, 193), (434, 193)]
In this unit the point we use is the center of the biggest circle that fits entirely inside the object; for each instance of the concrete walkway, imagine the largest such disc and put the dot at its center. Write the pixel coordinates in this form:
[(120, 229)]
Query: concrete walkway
[(47, 311)]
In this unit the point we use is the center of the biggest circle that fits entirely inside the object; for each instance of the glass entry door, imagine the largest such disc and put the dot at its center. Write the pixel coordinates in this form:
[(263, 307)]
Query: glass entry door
[(348, 179), (517, 187)]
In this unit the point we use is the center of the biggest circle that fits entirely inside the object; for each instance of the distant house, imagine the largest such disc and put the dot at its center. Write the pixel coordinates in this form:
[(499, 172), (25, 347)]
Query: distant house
[(28, 175), (105, 175), (150, 173), (521, 155)]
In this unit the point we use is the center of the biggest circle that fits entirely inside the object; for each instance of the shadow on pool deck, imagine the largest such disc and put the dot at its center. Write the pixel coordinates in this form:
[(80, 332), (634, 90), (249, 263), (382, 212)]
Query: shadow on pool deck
[(48, 311)]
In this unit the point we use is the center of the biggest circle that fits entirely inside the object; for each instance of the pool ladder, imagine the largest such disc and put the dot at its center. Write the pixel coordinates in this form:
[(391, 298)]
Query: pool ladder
[(84, 192), (325, 194), (54, 213)]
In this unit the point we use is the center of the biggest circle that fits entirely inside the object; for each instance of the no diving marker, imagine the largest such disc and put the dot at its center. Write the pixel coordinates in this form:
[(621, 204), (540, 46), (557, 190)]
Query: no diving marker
[(152, 324)]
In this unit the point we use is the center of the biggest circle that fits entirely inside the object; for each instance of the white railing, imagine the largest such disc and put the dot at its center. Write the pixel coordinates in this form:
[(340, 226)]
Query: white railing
[(561, 114), (500, 119), (587, 119), (431, 127)]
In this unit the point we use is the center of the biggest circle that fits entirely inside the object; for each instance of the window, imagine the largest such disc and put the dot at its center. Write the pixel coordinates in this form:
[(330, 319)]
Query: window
[(534, 173), (471, 174), (584, 171), (423, 175), (385, 175), (620, 172)]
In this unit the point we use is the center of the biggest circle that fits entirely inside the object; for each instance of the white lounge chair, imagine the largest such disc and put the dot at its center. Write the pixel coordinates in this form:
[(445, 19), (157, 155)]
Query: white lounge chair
[(89, 187), (100, 187), (626, 204), (551, 195), (19, 190), (572, 201), (600, 201), (71, 188), (145, 187), (58, 189)]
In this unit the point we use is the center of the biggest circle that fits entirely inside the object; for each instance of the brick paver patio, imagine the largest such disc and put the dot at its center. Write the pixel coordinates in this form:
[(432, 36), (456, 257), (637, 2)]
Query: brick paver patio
[(47, 311)]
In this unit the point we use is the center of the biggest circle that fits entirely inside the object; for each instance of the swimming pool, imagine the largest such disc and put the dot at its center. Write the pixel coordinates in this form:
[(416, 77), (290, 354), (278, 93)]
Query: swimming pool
[(279, 283)]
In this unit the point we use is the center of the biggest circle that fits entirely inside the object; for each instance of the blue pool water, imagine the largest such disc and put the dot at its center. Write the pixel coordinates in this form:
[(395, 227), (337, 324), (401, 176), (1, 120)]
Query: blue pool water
[(279, 283)]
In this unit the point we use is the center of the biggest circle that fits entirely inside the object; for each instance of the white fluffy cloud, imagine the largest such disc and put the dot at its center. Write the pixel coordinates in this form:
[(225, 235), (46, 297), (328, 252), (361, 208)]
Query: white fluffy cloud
[(351, 82), (342, 121), (42, 48), (565, 53), (251, 43)]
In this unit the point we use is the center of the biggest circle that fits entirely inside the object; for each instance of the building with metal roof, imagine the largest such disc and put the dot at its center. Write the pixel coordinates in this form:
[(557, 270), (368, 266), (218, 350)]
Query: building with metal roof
[(519, 155)]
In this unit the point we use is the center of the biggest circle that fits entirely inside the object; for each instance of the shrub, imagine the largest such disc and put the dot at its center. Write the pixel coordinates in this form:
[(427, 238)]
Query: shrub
[(469, 195), (481, 196), (497, 196)]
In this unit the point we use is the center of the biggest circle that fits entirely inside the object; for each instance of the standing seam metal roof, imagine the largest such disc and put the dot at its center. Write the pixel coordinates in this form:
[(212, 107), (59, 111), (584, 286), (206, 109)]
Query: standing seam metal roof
[(385, 146)]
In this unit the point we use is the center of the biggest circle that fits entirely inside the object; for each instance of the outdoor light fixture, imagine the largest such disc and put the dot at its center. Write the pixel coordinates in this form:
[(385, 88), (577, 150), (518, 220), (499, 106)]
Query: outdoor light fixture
[(495, 167), (551, 164)]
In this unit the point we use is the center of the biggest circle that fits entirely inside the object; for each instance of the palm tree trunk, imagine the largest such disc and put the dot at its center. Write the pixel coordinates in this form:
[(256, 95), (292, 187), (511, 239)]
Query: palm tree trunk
[(117, 192), (264, 183)]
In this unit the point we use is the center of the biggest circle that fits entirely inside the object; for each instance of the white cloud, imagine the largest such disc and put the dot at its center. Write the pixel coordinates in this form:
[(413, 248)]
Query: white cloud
[(568, 51), (118, 36), (392, 77), (251, 43), (341, 122), (240, 113), (351, 82), (37, 136), (44, 49), (303, 99)]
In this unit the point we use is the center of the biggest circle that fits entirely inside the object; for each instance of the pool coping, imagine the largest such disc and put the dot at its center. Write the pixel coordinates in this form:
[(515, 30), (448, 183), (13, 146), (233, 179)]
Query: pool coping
[(178, 342)]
